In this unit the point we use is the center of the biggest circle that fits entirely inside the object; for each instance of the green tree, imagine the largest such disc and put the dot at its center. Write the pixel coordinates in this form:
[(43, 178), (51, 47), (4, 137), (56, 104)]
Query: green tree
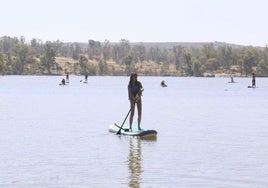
[(179, 55), (9, 63), (76, 51), (102, 67), (139, 53), (164, 68), (86, 67), (208, 56), (7, 44), (209, 51), (83, 62), (128, 61), (48, 59), (124, 49), (263, 68), (57, 45), (225, 56), (37, 47), (212, 64), (248, 60), (188, 63), (24, 56), (1, 63), (115, 53), (196, 67), (94, 49), (106, 52)]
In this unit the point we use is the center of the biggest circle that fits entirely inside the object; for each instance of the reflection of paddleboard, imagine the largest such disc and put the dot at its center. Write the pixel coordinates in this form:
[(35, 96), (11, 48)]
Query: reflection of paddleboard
[(143, 133), (232, 82), (251, 87)]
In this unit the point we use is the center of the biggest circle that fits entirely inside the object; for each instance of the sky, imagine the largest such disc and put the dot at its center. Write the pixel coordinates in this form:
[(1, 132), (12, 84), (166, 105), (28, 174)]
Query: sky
[(243, 22)]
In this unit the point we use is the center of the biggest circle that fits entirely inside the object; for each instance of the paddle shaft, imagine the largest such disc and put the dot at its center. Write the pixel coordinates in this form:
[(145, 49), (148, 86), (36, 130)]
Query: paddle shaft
[(119, 131)]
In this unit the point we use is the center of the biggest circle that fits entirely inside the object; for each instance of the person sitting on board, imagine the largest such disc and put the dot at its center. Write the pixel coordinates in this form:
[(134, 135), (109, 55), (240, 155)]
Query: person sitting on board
[(163, 84), (253, 80), (63, 81), (134, 95)]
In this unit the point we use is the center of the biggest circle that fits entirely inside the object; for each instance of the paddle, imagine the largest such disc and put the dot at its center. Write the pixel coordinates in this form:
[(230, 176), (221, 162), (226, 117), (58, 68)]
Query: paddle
[(124, 129), (119, 131)]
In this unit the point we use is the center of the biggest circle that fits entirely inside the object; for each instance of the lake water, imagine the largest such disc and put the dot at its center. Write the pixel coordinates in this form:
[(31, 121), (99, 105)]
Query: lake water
[(211, 133)]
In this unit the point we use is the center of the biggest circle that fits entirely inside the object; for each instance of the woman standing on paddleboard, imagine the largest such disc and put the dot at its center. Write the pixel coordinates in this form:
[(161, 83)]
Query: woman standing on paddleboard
[(134, 95)]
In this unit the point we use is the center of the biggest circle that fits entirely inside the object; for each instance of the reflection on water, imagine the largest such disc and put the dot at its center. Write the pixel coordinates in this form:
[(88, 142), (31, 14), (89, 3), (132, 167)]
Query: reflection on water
[(134, 162)]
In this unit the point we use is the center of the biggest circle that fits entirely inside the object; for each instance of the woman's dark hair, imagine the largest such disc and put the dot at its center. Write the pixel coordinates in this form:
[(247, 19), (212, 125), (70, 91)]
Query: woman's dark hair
[(131, 75)]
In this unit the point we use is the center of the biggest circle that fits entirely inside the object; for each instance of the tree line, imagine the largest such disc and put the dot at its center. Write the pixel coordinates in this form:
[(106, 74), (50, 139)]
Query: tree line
[(17, 57)]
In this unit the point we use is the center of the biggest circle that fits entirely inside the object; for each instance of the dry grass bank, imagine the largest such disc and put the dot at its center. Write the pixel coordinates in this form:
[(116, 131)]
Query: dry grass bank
[(148, 68)]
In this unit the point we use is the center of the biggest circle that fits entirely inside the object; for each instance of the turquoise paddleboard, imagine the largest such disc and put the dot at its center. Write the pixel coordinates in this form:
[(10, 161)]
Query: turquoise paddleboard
[(143, 133)]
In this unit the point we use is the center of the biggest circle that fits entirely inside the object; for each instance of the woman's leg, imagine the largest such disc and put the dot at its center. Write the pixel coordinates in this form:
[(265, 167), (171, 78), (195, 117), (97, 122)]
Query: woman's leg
[(139, 106), (132, 106)]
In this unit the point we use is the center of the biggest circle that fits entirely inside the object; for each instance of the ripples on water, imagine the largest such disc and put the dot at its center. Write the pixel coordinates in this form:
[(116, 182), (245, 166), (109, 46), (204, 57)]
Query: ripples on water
[(210, 133)]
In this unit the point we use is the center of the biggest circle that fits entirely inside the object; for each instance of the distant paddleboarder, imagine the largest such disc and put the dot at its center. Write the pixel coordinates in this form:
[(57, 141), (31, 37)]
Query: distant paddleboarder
[(253, 80), (67, 78), (232, 80), (62, 82), (86, 78), (163, 84), (253, 85)]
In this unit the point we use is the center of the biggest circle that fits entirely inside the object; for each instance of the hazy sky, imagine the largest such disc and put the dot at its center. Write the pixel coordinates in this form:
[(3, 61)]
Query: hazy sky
[(233, 21)]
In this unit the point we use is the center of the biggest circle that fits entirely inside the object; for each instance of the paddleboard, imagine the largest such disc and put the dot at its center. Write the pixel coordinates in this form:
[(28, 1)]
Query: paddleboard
[(143, 133)]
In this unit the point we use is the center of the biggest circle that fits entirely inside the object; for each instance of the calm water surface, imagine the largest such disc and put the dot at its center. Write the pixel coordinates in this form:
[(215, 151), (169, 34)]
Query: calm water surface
[(211, 133)]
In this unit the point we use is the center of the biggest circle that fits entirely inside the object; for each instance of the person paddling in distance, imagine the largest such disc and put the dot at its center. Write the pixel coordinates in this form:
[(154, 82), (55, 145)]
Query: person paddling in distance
[(86, 78), (232, 79), (253, 80), (135, 90), (67, 77)]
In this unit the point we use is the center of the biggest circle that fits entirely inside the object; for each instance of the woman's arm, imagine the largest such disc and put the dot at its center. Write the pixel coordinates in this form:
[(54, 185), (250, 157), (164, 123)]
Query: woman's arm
[(141, 89)]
